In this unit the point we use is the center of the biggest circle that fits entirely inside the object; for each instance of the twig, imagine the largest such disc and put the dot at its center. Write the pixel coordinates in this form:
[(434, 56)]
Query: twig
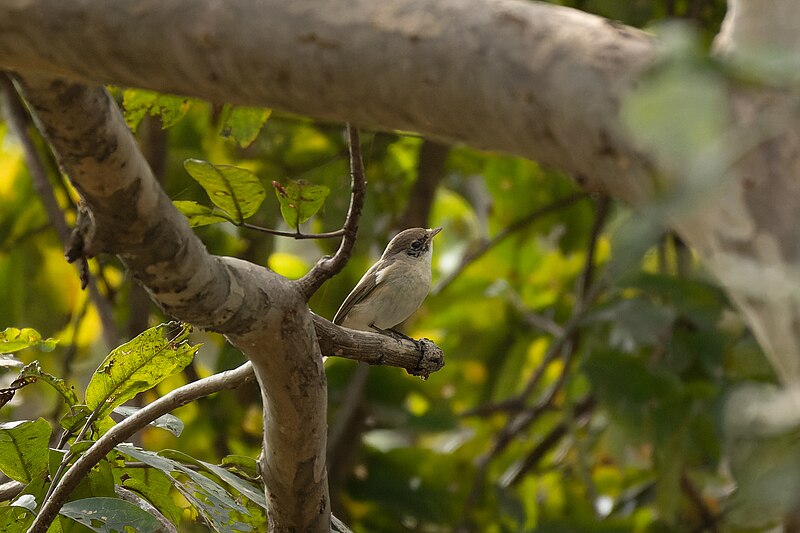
[(553, 437), (330, 266), (567, 342), (293, 234), (419, 357), (517, 403), (353, 396), (18, 120), (90, 420), (177, 398), (519, 224), (10, 489)]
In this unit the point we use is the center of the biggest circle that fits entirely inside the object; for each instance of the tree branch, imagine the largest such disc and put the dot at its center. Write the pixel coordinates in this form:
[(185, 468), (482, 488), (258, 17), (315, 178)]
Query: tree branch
[(122, 431), (567, 344), (419, 357), (533, 62), (127, 213), (328, 267)]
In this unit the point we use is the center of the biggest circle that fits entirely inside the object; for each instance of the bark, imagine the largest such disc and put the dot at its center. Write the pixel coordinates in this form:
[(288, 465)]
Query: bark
[(261, 313), (531, 79)]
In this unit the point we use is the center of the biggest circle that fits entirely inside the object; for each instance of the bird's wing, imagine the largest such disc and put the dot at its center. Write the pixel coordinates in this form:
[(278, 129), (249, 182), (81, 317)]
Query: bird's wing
[(365, 286)]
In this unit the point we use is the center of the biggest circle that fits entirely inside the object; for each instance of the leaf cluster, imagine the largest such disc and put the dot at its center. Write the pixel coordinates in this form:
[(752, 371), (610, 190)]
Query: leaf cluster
[(218, 495)]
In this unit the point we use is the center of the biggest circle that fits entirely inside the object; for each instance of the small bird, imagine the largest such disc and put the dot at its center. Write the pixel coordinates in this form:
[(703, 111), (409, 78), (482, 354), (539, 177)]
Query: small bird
[(394, 287)]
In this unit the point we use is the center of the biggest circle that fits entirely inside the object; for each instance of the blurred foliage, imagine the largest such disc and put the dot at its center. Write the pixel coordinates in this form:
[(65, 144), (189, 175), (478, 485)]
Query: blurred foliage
[(589, 356)]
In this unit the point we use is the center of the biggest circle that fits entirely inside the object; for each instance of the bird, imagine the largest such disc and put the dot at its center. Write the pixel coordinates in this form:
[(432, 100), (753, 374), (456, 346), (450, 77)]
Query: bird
[(394, 287)]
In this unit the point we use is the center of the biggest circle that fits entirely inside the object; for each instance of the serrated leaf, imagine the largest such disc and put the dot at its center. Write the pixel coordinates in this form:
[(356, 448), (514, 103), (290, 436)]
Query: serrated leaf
[(110, 515), (200, 215), (171, 423), (235, 190), (139, 365), (300, 200), (244, 123), (16, 339), (137, 103), (23, 449), (34, 370)]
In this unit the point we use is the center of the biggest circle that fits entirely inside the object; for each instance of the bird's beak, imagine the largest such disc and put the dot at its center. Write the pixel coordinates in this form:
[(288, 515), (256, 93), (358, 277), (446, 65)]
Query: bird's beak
[(432, 232)]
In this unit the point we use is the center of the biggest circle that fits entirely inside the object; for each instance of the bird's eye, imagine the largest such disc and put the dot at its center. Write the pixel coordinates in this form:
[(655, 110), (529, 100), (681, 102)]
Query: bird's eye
[(416, 245)]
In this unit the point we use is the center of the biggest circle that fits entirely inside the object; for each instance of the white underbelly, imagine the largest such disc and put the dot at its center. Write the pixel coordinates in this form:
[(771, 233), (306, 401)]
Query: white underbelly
[(390, 303)]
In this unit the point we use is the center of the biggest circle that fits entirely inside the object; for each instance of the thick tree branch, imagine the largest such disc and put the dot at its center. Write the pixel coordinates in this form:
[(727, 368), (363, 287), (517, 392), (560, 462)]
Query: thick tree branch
[(261, 313), (127, 213), (528, 64)]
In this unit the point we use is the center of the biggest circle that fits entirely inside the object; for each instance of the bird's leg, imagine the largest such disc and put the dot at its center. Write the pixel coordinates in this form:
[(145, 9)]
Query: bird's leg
[(396, 335)]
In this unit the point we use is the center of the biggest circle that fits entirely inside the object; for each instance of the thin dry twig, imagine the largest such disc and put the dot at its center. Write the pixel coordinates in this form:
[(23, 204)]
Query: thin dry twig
[(709, 519), (293, 234), (328, 267), (567, 344)]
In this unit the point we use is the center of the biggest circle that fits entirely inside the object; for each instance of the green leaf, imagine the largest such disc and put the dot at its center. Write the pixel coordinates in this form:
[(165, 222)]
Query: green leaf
[(201, 215), (14, 519), (139, 365), (15, 339), (217, 506), (244, 123), (244, 465), (155, 486), (23, 449), (171, 423), (34, 370), (235, 190), (77, 416), (137, 103), (242, 486), (299, 200), (110, 515)]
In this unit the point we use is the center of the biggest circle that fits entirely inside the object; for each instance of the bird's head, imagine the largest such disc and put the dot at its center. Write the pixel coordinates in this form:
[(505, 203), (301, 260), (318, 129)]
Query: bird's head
[(414, 242)]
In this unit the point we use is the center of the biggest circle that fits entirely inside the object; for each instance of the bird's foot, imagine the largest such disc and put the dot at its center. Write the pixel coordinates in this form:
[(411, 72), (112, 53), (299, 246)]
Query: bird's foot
[(396, 335)]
